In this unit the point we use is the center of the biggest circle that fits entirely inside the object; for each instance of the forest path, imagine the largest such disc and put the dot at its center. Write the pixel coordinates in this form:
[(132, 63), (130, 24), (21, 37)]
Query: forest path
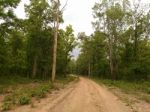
[(88, 96), (83, 96)]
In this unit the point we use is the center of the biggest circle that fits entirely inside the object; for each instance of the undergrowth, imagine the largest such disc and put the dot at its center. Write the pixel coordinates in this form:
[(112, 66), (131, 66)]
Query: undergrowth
[(137, 88), (22, 92)]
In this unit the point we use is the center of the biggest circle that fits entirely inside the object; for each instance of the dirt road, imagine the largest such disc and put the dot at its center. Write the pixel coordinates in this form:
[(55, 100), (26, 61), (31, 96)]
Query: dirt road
[(84, 96), (90, 97)]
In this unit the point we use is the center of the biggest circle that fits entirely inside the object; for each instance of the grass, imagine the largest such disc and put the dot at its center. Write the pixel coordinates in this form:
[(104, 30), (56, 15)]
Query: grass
[(141, 86), (7, 81), (67, 79), (21, 92), (141, 89)]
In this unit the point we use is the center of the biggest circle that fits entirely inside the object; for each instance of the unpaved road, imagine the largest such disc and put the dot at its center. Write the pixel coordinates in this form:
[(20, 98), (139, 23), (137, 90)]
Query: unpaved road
[(83, 96), (90, 97)]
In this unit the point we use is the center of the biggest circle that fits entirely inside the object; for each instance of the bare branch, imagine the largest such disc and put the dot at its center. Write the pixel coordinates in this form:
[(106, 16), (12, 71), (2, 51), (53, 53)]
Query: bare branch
[(64, 6)]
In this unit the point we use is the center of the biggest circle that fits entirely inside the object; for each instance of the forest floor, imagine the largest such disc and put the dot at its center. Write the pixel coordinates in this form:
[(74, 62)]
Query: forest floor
[(17, 91), (82, 96)]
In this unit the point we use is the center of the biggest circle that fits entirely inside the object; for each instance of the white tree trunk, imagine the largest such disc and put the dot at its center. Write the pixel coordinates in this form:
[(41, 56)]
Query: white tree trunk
[(55, 45)]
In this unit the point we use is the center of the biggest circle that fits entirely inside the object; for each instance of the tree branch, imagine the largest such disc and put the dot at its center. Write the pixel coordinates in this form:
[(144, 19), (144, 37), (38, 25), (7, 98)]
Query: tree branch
[(64, 6)]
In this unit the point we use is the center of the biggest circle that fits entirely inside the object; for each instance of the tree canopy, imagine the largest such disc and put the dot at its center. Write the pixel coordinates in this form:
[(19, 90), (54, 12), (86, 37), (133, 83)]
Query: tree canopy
[(26, 44), (120, 46)]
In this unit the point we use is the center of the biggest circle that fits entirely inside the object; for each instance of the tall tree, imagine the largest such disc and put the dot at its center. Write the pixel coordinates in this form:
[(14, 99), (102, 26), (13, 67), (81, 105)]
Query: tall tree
[(7, 23), (56, 7), (110, 16), (57, 18), (37, 26)]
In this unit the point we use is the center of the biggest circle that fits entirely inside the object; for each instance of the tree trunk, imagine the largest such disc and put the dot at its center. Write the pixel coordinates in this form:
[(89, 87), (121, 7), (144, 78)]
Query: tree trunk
[(55, 45), (89, 70), (135, 43), (34, 70), (111, 57)]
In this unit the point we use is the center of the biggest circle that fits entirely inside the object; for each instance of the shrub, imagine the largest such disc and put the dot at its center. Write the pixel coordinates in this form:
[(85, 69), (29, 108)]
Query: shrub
[(6, 106), (23, 100), (40, 94)]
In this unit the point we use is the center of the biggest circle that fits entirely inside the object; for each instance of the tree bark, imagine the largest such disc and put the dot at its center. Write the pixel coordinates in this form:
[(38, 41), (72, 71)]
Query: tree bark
[(34, 70), (55, 44), (135, 42), (111, 57), (89, 70)]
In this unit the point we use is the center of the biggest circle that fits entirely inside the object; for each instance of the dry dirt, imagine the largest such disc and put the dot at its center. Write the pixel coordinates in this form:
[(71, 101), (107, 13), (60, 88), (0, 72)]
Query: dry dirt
[(83, 96)]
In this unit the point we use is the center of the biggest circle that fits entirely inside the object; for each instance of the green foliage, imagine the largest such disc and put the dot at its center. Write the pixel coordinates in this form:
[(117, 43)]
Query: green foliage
[(120, 46), (23, 100), (126, 86), (67, 79), (26, 44), (140, 89), (8, 80), (7, 19), (22, 95), (66, 43), (93, 54), (6, 106), (41, 91)]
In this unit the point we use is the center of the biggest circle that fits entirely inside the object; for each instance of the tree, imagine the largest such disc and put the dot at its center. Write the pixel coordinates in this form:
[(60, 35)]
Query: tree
[(93, 58), (110, 19), (119, 46), (39, 34), (56, 6), (66, 43), (7, 23), (56, 19)]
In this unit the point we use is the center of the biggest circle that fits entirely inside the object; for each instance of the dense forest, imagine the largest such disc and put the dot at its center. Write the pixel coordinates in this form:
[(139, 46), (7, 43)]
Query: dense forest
[(120, 46), (26, 45), (37, 66)]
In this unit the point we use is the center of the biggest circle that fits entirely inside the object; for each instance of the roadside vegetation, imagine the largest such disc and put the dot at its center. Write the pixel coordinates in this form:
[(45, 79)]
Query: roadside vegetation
[(139, 89), (127, 86), (22, 91)]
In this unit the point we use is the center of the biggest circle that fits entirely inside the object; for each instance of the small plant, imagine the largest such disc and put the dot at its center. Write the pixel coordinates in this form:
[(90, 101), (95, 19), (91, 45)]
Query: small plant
[(40, 94), (148, 91), (6, 106), (145, 98), (23, 100)]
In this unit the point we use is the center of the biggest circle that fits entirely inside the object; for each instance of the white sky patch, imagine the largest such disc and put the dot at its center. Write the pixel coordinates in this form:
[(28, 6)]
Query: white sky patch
[(20, 11), (79, 15)]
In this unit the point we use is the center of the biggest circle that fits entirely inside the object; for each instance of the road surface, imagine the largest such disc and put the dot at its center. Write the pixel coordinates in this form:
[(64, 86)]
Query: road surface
[(88, 96), (83, 96)]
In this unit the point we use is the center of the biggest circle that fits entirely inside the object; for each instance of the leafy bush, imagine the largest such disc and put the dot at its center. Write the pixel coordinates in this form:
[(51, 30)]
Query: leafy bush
[(23, 100), (6, 106), (40, 94)]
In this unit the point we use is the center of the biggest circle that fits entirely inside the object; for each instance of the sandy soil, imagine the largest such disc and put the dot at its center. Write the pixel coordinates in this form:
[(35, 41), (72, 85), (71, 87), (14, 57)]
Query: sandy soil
[(83, 96), (132, 100)]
